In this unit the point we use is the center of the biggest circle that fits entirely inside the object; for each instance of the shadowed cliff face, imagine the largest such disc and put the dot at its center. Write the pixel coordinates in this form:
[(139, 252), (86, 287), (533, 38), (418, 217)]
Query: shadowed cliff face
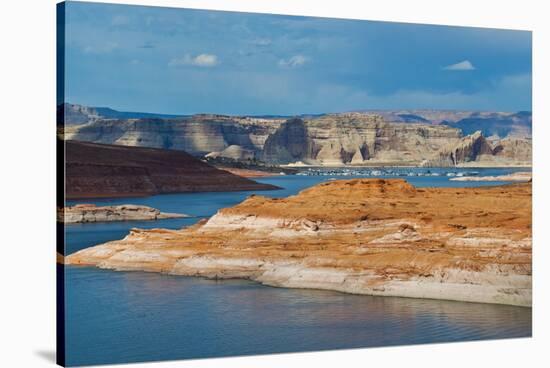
[(98, 170), (475, 149), (355, 139), (364, 236), (289, 143), (197, 135)]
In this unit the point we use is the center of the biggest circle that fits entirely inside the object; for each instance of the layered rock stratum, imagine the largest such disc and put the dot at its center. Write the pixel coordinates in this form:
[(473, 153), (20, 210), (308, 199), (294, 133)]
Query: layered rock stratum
[(83, 213), (355, 139), (328, 140), (362, 236), (98, 170), (476, 150)]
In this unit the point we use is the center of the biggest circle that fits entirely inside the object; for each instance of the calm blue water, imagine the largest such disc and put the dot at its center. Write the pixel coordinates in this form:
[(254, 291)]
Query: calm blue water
[(116, 317)]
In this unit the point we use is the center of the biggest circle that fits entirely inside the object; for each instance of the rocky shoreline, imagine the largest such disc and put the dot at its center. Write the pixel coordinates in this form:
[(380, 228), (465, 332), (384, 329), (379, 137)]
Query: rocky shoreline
[(518, 176), (361, 236), (83, 213)]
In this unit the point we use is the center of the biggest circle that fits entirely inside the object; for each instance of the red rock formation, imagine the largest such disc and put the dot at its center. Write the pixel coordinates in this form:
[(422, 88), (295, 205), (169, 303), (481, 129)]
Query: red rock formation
[(98, 170), (363, 236)]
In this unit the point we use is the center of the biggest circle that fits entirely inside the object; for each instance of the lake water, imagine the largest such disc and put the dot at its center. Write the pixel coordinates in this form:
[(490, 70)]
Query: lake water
[(116, 317)]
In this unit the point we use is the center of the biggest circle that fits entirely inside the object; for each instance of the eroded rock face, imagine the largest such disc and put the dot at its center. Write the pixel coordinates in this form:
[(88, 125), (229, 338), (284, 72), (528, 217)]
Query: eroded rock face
[(355, 139), (81, 213), (475, 149), (331, 140), (197, 135), (467, 149), (363, 236), (513, 149)]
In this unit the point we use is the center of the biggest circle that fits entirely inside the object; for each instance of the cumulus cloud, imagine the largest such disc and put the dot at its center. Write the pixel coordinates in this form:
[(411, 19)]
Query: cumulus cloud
[(293, 62), (463, 65), (202, 60)]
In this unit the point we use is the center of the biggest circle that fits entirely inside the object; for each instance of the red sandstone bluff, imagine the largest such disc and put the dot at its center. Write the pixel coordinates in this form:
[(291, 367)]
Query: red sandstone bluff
[(98, 170), (362, 236)]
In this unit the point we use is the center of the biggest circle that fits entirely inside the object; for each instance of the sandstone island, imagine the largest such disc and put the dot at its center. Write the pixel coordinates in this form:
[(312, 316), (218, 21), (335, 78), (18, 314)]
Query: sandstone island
[(84, 213), (361, 236)]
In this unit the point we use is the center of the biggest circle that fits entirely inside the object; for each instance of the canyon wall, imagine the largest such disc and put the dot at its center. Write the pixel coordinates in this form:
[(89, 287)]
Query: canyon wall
[(476, 150), (355, 139), (197, 135), (329, 140)]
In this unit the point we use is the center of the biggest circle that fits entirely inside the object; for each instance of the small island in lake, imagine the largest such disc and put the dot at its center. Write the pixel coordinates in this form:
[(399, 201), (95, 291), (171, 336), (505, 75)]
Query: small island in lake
[(83, 213)]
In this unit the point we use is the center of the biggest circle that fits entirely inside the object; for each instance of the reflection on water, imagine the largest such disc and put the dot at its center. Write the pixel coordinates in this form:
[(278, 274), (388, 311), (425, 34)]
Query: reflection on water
[(115, 317)]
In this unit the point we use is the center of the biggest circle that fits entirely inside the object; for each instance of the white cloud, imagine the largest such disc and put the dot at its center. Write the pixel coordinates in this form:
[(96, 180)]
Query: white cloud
[(463, 65), (293, 62), (202, 60)]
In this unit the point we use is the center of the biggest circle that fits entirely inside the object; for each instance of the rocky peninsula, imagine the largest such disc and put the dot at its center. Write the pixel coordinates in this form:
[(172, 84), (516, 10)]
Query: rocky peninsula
[(99, 170), (361, 236), (81, 213)]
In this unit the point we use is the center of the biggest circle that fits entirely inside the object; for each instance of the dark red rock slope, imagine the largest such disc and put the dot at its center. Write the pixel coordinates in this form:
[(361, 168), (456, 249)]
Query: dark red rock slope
[(98, 170)]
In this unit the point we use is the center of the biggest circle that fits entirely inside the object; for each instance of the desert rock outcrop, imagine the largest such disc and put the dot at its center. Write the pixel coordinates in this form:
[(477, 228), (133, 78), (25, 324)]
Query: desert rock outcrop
[(99, 170), (363, 236), (82, 213)]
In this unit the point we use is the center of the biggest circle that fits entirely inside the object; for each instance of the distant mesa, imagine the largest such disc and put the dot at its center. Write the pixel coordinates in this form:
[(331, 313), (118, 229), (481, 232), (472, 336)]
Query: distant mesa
[(98, 170), (371, 138), (73, 114), (476, 150)]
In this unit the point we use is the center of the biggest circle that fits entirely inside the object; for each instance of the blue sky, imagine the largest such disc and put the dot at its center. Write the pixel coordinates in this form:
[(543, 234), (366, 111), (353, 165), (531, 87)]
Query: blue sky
[(181, 61)]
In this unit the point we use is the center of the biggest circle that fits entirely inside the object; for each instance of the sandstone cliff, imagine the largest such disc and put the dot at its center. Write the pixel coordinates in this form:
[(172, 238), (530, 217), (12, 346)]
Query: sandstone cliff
[(368, 236), (476, 150), (333, 139), (98, 170), (355, 139), (197, 135), (501, 124), (81, 213)]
